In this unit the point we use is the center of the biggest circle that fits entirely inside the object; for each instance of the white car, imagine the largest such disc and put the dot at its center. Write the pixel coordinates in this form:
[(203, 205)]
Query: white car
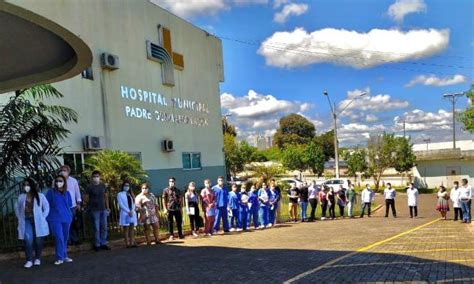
[(335, 183), (296, 181)]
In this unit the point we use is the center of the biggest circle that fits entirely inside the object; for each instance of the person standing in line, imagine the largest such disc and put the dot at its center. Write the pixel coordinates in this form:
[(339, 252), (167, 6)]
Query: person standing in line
[(222, 201), (465, 197), (412, 194), (278, 190), (192, 208), (304, 202), (243, 208), (253, 207), (209, 207), (263, 200), (454, 196), (147, 205), (273, 205), (31, 210), (351, 197), (172, 203), (331, 195), (293, 196), (60, 218), (97, 201), (127, 214), (313, 192), (367, 196), (323, 199), (234, 204), (341, 200), (442, 205), (390, 194), (75, 192)]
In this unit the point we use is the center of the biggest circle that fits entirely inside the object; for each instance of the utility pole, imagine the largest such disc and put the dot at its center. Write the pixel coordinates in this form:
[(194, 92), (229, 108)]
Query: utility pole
[(453, 98)]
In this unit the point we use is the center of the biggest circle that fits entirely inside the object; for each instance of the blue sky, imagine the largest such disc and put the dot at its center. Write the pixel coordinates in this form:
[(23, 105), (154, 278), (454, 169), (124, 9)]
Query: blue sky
[(281, 55)]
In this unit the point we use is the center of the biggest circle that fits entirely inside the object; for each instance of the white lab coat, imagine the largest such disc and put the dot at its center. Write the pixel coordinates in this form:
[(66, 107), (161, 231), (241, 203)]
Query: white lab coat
[(40, 212), (454, 196), (367, 196), (412, 197), (125, 219)]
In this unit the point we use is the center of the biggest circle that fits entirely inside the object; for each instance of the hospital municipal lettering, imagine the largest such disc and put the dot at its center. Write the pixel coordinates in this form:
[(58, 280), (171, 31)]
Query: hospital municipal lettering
[(154, 77)]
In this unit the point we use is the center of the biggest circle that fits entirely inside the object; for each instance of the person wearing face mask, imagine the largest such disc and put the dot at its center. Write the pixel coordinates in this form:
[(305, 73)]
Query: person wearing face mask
[(97, 200), (192, 208), (148, 208), (128, 216), (60, 217), (31, 210), (172, 202), (222, 201), (209, 207)]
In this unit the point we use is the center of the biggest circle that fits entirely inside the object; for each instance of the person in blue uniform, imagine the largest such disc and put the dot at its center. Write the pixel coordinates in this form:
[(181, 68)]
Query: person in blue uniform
[(273, 204), (234, 205), (263, 199), (243, 208), (222, 201), (253, 207)]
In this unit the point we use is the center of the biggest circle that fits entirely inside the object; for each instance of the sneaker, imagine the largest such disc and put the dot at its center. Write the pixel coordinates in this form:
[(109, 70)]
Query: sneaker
[(105, 247), (58, 262), (181, 237), (68, 260), (28, 264), (239, 230), (232, 230), (196, 235), (37, 262), (269, 225), (262, 226), (171, 238), (323, 218)]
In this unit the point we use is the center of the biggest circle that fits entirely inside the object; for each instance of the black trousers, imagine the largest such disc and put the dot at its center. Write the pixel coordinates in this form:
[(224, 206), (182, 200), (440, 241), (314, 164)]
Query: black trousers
[(413, 209), (390, 203), (324, 207), (341, 210), (332, 213), (366, 205), (179, 221), (457, 213), (194, 219), (314, 205)]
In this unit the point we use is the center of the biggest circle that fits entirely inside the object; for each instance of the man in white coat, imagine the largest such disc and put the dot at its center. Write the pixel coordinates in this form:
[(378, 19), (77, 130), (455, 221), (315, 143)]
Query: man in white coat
[(454, 196), (412, 194), (367, 196)]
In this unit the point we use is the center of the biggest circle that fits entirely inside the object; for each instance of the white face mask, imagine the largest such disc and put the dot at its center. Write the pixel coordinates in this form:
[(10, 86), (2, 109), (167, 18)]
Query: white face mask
[(126, 188), (60, 184), (145, 190), (64, 173), (27, 188), (96, 179)]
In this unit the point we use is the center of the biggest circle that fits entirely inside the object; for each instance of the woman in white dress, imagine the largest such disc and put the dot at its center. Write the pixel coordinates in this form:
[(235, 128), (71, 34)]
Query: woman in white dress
[(128, 215), (412, 194)]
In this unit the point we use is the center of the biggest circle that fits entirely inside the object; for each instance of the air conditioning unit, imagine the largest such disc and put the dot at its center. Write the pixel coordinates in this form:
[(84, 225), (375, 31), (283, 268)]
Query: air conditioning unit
[(167, 145), (109, 61), (93, 143)]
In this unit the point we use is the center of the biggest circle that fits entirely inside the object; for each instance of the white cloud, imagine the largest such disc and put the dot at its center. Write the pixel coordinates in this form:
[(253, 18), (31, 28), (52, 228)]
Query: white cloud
[(278, 3), (419, 120), (357, 49), (355, 133), (288, 10), (371, 118), (432, 80), (398, 10), (377, 103), (192, 8)]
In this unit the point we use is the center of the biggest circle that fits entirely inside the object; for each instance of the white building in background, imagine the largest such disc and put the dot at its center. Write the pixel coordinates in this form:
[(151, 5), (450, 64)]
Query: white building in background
[(263, 142), (439, 164)]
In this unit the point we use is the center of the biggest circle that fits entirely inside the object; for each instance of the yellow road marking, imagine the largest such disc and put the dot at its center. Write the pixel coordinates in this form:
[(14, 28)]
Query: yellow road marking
[(329, 263), (411, 243), (399, 262), (422, 251)]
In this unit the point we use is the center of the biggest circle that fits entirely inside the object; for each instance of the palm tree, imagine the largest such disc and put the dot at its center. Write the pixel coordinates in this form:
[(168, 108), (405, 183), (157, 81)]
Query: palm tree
[(30, 133)]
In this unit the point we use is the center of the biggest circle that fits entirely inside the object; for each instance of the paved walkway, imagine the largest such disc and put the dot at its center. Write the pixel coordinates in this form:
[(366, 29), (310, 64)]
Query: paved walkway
[(373, 249)]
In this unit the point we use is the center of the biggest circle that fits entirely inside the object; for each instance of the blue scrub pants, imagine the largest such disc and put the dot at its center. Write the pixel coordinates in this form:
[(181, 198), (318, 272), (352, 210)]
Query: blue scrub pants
[(253, 215), (221, 213), (272, 214), (60, 231), (235, 219), (243, 218), (264, 215)]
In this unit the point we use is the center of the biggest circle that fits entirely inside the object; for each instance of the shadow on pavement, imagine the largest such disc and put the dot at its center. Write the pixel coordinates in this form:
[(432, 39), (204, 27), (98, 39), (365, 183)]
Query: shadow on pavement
[(170, 263)]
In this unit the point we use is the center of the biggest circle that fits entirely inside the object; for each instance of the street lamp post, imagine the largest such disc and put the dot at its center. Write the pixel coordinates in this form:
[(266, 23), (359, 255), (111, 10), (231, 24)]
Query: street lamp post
[(453, 99), (334, 117)]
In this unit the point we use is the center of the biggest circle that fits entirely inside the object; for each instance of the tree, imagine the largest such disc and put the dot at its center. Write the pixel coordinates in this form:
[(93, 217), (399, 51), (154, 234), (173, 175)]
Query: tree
[(467, 117), (314, 158), (294, 129), (31, 132), (356, 162), (272, 154), (265, 173), (404, 156), (115, 167), (293, 158), (250, 153), (234, 161), (381, 155), (326, 141), (228, 128)]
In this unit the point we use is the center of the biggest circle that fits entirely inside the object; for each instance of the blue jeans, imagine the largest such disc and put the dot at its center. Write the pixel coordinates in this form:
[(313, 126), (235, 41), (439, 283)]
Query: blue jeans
[(304, 206), (221, 213), (264, 215), (99, 224), (466, 210), (235, 219), (243, 218), (253, 215), (60, 231), (32, 241), (272, 214)]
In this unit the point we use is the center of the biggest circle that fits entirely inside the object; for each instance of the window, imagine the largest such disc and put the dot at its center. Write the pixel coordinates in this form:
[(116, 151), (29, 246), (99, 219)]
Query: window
[(87, 74), (192, 161)]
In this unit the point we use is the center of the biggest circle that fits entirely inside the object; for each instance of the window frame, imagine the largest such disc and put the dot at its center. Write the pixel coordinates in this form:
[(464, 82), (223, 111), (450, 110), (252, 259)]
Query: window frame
[(190, 155)]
